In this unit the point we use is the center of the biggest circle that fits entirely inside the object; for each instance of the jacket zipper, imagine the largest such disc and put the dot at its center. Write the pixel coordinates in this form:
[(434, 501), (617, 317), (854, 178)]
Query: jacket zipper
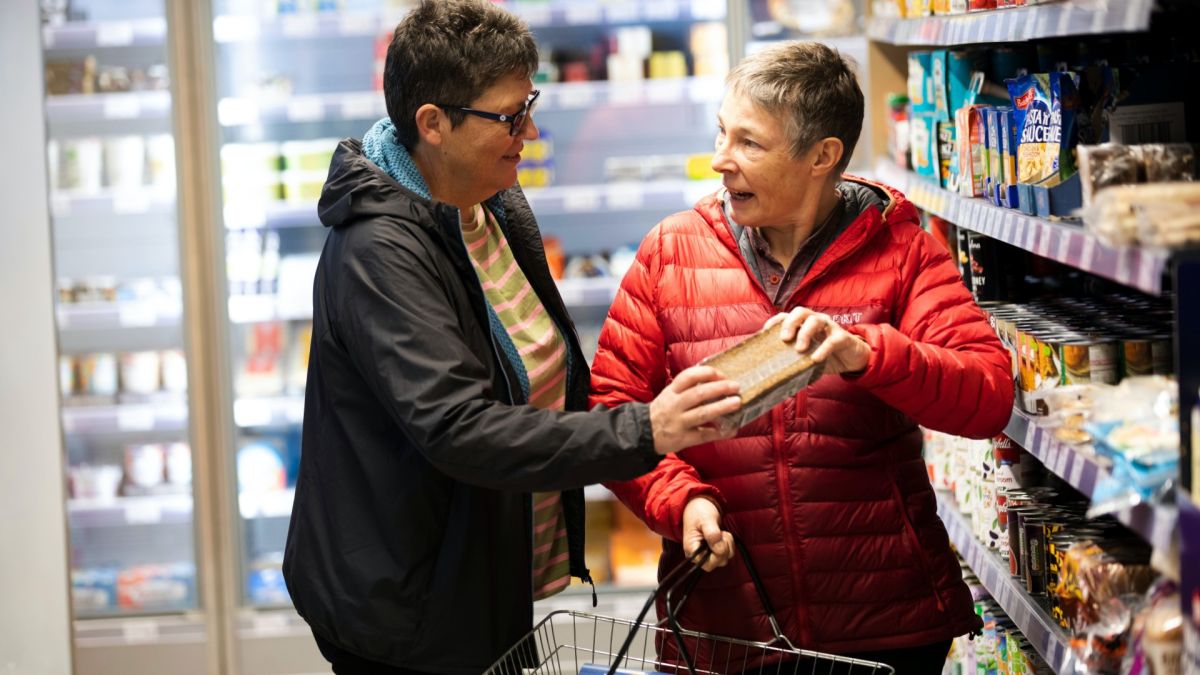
[(785, 511)]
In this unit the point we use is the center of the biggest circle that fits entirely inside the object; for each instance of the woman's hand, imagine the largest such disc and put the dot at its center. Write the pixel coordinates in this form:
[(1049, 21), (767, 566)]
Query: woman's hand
[(702, 524), (683, 414), (840, 350)]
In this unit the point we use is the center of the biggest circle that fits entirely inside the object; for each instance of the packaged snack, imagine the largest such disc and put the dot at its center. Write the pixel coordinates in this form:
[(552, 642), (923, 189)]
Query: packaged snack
[(769, 371), (971, 147), (1101, 166), (1168, 162), (1044, 109)]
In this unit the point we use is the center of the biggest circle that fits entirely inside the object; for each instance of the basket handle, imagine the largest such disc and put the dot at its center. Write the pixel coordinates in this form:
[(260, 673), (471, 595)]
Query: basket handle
[(688, 573)]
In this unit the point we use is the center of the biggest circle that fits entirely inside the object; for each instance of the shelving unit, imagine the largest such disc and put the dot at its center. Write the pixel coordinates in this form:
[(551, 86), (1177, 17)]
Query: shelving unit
[(1150, 271), (1015, 24), (1029, 613), (117, 315), (1083, 471), (132, 105), (1070, 244), (169, 415), (369, 105), (228, 29), (121, 511), (147, 32)]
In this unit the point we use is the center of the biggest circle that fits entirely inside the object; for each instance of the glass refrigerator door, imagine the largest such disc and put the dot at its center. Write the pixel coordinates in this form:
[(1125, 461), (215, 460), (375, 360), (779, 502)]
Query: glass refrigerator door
[(122, 363)]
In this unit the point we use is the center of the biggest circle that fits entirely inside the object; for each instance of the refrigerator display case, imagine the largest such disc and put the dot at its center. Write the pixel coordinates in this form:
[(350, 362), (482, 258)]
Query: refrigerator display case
[(123, 369)]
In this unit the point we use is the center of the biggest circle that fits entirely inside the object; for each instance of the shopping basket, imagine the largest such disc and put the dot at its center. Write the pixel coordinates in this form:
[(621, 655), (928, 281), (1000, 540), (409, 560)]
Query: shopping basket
[(569, 642)]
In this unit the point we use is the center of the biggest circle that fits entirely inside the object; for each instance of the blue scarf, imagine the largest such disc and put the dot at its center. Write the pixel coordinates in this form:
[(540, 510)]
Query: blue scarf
[(380, 146)]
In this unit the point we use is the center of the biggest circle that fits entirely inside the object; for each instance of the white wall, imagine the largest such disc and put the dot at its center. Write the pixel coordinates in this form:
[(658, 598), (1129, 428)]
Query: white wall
[(35, 626)]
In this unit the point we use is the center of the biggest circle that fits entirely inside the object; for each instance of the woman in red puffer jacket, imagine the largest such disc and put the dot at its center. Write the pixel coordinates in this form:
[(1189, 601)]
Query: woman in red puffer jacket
[(828, 490)]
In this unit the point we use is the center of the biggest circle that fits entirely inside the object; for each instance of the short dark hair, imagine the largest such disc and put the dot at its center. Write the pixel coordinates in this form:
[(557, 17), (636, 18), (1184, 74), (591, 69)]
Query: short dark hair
[(811, 87), (449, 52)]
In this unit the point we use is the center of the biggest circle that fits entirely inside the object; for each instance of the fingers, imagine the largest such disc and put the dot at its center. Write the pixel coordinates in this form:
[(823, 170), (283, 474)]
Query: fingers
[(814, 326), (774, 321), (698, 416), (707, 392), (693, 376), (792, 322)]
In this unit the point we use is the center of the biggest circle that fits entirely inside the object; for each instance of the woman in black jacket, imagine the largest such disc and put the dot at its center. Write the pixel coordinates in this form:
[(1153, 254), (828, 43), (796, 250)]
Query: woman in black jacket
[(427, 452)]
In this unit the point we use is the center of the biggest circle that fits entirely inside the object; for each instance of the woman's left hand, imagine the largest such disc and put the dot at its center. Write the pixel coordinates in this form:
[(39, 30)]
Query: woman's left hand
[(840, 350)]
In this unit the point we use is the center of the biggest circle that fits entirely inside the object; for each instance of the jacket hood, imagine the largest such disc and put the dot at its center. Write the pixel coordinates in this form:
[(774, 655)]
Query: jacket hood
[(356, 189)]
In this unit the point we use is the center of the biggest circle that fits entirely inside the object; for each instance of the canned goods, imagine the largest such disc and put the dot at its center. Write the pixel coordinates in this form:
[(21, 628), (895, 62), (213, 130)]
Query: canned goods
[(1087, 360), (1016, 537), (1033, 552), (1137, 357), (1162, 357)]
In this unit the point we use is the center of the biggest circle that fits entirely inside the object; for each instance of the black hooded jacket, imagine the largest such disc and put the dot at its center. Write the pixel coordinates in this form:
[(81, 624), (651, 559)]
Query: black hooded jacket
[(411, 534)]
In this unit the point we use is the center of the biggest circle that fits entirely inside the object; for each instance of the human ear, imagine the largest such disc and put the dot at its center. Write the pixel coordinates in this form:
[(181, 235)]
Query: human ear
[(827, 156), (431, 123)]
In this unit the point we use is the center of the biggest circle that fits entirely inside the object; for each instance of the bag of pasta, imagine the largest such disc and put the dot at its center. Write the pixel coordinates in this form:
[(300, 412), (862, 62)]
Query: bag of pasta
[(1044, 105)]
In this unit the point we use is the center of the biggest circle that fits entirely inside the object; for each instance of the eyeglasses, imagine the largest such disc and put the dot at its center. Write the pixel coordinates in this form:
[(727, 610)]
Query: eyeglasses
[(516, 121)]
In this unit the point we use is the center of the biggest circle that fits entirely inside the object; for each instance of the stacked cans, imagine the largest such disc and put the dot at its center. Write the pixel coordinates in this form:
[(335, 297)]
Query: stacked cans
[(1062, 341)]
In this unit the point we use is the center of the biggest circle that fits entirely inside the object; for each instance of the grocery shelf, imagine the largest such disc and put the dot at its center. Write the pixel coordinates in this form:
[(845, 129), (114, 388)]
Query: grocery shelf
[(169, 414), (120, 511), (1081, 469), (1015, 24), (268, 411), (1141, 268), (122, 314), (131, 105), (229, 29), (140, 630), (660, 196), (369, 105), (273, 504), (1029, 613), (100, 34), (110, 202), (260, 308)]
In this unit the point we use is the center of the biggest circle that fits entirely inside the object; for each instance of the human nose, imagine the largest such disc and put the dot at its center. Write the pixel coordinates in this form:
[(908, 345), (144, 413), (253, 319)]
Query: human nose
[(529, 130), (721, 161)]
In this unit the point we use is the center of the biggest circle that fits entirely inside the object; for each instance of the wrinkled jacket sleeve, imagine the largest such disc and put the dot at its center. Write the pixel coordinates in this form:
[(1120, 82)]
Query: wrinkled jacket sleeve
[(941, 364), (630, 365), (404, 338)]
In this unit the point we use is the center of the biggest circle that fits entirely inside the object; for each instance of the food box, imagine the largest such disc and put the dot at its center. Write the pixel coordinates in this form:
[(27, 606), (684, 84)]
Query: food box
[(769, 371)]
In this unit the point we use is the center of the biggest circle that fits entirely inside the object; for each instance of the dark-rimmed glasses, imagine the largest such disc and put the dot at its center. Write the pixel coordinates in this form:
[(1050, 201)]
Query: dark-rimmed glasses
[(516, 121)]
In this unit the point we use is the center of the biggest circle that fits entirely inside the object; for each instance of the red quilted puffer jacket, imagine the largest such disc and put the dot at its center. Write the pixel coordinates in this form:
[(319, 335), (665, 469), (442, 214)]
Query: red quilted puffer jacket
[(828, 490)]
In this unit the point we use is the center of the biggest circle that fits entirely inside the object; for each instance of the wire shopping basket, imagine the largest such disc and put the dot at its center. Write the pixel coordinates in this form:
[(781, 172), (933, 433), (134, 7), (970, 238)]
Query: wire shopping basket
[(569, 642)]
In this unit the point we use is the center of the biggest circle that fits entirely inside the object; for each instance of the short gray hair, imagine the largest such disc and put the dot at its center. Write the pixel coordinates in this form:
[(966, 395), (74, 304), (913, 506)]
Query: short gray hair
[(449, 52), (812, 88)]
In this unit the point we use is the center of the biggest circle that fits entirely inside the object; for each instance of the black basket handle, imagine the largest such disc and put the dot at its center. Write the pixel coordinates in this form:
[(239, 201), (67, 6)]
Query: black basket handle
[(687, 574)]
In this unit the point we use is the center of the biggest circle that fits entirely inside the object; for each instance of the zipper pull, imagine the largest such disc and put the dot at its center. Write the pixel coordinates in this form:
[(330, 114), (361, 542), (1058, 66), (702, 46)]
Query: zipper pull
[(587, 579)]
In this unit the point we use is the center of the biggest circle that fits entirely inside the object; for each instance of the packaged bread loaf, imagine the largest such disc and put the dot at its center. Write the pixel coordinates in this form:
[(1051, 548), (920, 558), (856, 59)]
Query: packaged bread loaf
[(768, 369)]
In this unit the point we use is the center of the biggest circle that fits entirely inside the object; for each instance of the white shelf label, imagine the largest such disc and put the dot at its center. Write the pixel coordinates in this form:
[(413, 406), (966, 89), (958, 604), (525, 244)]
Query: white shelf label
[(114, 34), (622, 12), (299, 25), (576, 96), (1088, 257), (305, 110), (135, 418), (139, 630), (237, 111), (581, 200), (360, 106), (131, 201), (663, 10), (625, 93), (665, 92), (1064, 246), (535, 15), (136, 314), (251, 413), (235, 29), (708, 10), (1077, 471), (584, 14), (271, 623), (625, 197), (48, 37), (60, 205), (143, 512), (355, 23), (122, 107)]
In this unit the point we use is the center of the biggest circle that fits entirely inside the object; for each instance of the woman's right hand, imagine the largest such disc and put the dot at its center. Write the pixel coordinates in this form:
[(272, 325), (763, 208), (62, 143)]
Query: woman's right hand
[(683, 414), (702, 524)]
